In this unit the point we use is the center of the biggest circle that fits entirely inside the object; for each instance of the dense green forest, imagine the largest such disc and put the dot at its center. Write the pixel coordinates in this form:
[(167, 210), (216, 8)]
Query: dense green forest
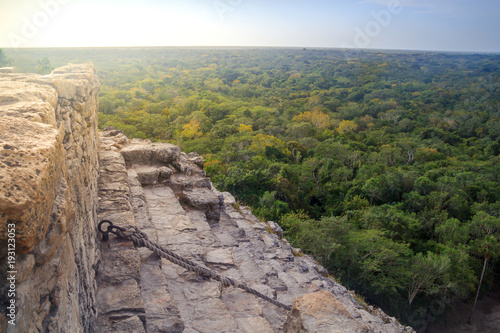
[(383, 165)]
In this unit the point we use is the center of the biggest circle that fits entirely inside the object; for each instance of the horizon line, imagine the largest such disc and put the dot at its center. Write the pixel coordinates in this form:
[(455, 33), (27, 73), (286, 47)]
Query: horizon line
[(256, 47)]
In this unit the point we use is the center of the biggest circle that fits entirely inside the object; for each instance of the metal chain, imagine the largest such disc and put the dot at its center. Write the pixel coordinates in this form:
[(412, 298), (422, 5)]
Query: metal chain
[(140, 239)]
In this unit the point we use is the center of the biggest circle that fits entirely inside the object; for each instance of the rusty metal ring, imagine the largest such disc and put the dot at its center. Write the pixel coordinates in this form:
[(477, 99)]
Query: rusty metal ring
[(111, 226), (101, 223)]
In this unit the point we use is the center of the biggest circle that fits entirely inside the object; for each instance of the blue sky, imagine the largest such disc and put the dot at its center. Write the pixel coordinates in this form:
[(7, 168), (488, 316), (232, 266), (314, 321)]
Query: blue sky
[(445, 25)]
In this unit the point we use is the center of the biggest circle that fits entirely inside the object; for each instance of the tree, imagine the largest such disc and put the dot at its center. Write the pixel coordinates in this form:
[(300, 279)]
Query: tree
[(245, 128), (4, 61), (371, 261), (271, 208), (347, 126), (261, 141), (43, 66), (487, 230), (297, 149), (351, 110), (424, 186), (317, 118), (390, 155), (428, 274), (409, 147), (453, 232), (107, 105), (191, 130)]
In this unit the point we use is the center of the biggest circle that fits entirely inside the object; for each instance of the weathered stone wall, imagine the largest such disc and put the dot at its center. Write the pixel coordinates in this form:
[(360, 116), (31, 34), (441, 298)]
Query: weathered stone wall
[(48, 189)]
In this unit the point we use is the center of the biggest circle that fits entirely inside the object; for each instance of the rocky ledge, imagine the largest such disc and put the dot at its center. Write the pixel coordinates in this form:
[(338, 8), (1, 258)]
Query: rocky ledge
[(167, 195)]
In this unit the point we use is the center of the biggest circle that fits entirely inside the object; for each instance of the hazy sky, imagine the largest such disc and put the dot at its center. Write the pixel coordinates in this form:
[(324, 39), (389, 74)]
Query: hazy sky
[(449, 25)]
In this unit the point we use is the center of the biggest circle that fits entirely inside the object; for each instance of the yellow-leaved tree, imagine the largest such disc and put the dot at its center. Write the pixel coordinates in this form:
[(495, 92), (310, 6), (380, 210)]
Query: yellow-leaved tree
[(317, 118), (245, 128), (261, 141), (347, 126), (191, 130)]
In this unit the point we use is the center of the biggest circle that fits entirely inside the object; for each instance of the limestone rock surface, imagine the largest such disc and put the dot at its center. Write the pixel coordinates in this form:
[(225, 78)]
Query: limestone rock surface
[(321, 312), (48, 189)]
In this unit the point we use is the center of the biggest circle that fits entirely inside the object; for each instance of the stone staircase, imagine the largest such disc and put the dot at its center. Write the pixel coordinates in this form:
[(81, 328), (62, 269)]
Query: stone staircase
[(166, 194)]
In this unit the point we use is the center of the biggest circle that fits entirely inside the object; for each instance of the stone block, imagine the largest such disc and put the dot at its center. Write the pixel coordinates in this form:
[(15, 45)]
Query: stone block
[(321, 312), (31, 163), (204, 199), (212, 317), (193, 157), (228, 198), (147, 175), (7, 69), (220, 257), (120, 263), (165, 153), (35, 111), (275, 228), (254, 324), (130, 325), (165, 173), (26, 92), (137, 155), (125, 296)]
